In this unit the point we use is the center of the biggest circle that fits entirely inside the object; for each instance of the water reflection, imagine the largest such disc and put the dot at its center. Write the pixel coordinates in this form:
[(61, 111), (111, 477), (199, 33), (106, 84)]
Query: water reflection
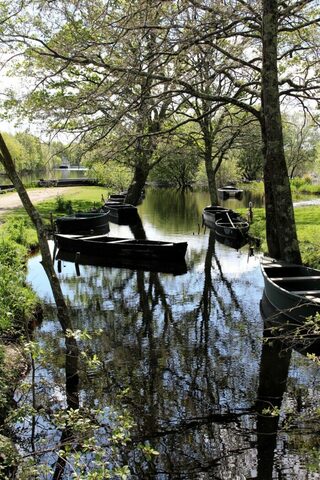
[(274, 368), (184, 352), (72, 399), (57, 174)]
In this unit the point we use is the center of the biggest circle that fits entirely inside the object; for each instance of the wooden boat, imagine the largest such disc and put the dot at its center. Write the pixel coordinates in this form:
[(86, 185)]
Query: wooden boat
[(235, 243), (121, 213), (175, 267), (67, 182), (83, 222), (291, 295), (211, 213), (103, 245), (6, 188), (117, 197), (232, 227), (230, 191)]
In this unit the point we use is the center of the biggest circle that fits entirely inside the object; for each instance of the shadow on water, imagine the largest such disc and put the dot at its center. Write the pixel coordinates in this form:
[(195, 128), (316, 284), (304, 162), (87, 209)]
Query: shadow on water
[(274, 368), (183, 355), (67, 438)]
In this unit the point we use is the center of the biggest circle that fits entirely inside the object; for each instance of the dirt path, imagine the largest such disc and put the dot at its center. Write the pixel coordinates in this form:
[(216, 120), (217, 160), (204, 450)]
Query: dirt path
[(10, 201)]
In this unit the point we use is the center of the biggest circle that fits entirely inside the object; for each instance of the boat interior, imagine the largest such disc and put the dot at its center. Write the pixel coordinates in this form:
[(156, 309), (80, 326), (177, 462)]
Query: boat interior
[(296, 279), (116, 240)]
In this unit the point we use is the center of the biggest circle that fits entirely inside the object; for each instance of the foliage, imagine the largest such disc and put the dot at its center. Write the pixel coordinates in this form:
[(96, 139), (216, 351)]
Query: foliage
[(17, 301), (308, 228), (298, 183), (201, 176), (62, 205), (179, 165), (28, 152), (300, 140), (11, 253), (229, 171), (20, 229), (94, 435), (113, 175), (249, 155)]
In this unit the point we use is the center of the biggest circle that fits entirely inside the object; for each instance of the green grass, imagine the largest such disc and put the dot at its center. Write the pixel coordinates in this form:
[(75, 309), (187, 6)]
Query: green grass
[(18, 225), (82, 199), (308, 231)]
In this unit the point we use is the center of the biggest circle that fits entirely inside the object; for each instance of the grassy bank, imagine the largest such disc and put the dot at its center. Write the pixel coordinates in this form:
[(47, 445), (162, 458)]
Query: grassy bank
[(308, 230)]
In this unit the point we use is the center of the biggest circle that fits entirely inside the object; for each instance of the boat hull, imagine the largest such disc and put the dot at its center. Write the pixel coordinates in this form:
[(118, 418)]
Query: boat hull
[(291, 295), (288, 330), (174, 267), (212, 213), (226, 192), (280, 285), (232, 228), (121, 213), (83, 223), (105, 246)]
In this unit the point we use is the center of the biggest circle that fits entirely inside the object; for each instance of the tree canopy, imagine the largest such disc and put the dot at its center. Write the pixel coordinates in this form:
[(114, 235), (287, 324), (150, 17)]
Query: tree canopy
[(122, 76)]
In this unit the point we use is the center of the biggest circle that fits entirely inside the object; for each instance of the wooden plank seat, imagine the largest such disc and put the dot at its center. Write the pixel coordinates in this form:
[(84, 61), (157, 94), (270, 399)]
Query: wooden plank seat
[(306, 292), (313, 298), (312, 295), (124, 240), (294, 279)]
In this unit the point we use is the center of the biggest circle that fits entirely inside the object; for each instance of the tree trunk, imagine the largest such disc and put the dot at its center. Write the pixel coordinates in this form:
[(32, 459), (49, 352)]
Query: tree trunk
[(280, 224), (62, 308), (211, 175), (135, 190)]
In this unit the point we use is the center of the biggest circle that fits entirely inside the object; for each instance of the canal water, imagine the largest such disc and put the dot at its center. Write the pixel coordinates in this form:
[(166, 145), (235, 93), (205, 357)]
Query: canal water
[(183, 358), (53, 174)]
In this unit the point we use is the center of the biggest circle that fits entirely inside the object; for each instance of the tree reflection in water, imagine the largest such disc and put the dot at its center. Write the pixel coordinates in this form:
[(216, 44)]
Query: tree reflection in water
[(182, 354)]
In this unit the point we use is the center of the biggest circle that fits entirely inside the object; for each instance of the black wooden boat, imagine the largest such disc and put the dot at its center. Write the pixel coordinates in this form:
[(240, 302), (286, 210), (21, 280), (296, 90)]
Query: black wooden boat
[(291, 296), (83, 223), (232, 227), (103, 245), (67, 182), (6, 188), (235, 243), (230, 191), (120, 213), (173, 266), (117, 197), (211, 213), (292, 289)]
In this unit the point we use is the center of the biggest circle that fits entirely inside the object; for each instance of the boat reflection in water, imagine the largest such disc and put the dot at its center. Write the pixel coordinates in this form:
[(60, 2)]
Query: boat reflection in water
[(181, 356), (178, 267), (235, 243)]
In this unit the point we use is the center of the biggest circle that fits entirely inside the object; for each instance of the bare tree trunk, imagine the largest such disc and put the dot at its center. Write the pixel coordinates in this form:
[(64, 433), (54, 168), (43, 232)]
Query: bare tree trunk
[(47, 263), (62, 308), (280, 223)]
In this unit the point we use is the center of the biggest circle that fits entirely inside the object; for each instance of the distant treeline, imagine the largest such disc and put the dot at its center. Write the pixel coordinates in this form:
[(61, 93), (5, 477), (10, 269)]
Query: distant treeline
[(32, 154)]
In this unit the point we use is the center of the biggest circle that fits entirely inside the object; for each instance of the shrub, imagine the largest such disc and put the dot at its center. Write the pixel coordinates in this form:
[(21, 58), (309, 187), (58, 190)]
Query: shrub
[(17, 301), (62, 205), (12, 254), (21, 231)]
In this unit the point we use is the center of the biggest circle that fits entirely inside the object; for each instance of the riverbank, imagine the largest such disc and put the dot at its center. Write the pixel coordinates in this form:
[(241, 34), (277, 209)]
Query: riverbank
[(10, 201), (307, 217)]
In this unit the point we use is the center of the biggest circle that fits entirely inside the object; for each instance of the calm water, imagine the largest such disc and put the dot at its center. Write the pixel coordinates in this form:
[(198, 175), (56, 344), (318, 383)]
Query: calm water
[(56, 174), (184, 355)]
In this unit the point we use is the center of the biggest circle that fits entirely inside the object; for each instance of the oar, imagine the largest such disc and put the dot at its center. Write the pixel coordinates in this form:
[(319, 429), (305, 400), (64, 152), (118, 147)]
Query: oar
[(233, 225), (229, 218)]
